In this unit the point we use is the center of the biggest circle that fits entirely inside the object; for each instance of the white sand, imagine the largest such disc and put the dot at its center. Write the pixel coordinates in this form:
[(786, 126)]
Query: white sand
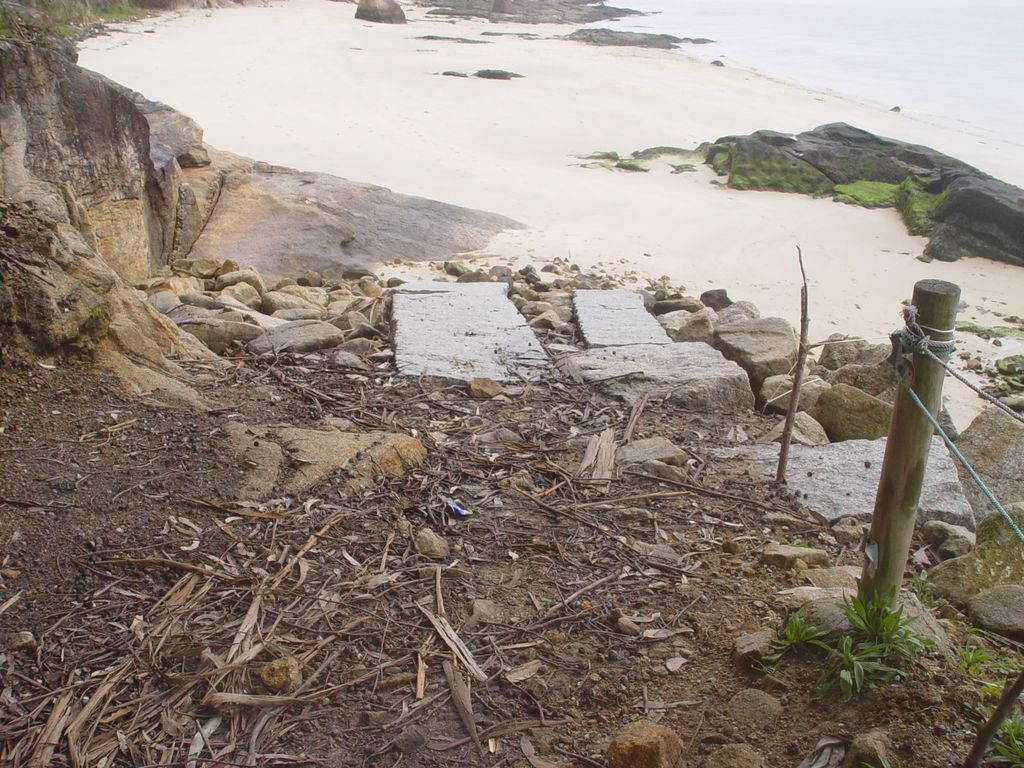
[(304, 85)]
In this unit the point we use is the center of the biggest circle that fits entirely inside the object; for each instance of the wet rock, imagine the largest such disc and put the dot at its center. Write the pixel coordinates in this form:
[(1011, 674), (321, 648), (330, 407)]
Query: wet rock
[(690, 326), (380, 12), (847, 413), (998, 558), (786, 556), (650, 449), (947, 540), (643, 744), (281, 676), (999, 609), (754, 708), (430, 545), (994, 445), (776, 393), (735, 756), (868, 750), (753, 647), (298, 336), (806, 431), (483, 389), (763, 347), (717, 299)]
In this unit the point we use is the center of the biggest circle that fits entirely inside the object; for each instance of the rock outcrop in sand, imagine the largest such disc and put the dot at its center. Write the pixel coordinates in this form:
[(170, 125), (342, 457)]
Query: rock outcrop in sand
[(963, 211)]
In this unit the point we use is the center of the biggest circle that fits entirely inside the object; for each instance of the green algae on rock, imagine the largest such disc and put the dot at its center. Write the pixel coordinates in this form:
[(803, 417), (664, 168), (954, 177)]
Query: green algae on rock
[(754, 164), (869, 194)]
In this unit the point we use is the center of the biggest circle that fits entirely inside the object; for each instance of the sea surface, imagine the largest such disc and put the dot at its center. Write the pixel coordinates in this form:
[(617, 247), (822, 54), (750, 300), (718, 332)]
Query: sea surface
[(949, 62)]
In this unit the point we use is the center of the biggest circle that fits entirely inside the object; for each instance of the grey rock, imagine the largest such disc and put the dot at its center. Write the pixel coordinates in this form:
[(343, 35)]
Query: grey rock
[(690, 374), (298, 336), (650, 449), (776, 393), (463, 332), (619, 38), (616, 318), (380, 12), (298, 313), (534, 308), (665, 471), (430, 545), (998, 558), (547, 321), (946, 540), (244, 293), (841, 479), (847, 413), (496, 74), (163, 301), (310, 278), (994, 446), (763, 347), (717, 299), (340, 358), (690, 326), (823, 609), (850, 352), (806, 431), (686, 303), (218, 334), (274, 301), (737, 311), (753, 647), (999, 609)]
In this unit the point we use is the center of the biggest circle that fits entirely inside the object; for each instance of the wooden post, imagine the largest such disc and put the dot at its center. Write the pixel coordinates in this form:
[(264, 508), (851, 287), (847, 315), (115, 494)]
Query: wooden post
[(906, 451)]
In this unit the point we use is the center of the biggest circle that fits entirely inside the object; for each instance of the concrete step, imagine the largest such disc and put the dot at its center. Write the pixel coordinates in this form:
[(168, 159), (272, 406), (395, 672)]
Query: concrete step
[(616, 319), (464, 331)]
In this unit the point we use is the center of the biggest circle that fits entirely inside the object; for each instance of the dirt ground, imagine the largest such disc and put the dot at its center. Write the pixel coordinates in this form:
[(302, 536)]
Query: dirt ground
[(156, 594)]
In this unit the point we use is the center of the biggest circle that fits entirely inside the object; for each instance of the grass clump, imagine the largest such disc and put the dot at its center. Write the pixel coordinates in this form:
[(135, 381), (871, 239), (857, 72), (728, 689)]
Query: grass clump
[(631, 165), (1008, 746), (797, 635), (868, 194)]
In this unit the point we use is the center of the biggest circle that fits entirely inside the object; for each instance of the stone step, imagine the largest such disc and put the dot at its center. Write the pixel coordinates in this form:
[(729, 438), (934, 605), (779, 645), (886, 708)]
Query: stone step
[(463, 331), (691, 374), (616, 319), (840, 480)]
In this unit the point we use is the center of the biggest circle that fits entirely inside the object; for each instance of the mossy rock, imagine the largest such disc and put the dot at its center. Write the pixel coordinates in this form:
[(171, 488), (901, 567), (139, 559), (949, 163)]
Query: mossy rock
[(995, 332), (753, 164), (631, 165), (609, 156), (998, 558), (1011, 366), (916, 206), (653, 153), (868, 194)]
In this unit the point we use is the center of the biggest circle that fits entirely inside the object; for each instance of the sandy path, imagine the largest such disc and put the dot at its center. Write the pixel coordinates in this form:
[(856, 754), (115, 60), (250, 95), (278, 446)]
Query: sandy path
[(307, 86)]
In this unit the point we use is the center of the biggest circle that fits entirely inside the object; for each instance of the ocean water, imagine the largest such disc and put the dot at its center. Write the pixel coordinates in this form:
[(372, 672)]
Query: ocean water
[(949, 62)]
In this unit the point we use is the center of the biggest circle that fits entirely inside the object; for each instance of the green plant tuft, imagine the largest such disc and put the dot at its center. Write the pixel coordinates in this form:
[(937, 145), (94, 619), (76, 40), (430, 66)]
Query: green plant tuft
[(795, 636), (1008, 746), (856, 667)]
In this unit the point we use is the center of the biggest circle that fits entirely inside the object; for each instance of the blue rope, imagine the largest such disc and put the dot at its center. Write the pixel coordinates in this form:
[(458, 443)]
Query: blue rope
[(960, 457)]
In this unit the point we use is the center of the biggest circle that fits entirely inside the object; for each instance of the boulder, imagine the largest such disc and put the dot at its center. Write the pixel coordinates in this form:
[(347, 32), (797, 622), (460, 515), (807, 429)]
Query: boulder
[(998, 558), (275, 301), (851, 352), (752, 163), (947, 540), (244, 293), (763, 347), (878, 380), (380, 12), (716, 299), (684, 325), (847, 413), (298, 336), (250, 276), (994, 446), (686, 303), (736, 311), (806, 431), (823, 609), (219, 334), (298, 313), (163, 301), (999, 609), (643, 744), (776, 393), (313, 294)]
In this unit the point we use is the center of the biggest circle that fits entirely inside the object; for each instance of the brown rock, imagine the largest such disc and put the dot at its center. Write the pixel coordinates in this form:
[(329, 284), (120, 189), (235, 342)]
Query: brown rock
[(846, 413), (21, 641), (753, 647), (785, 556), (868, 749), (753, 707), (483, 389), (430, 545), (643, 744), (281, 676), (735, 756)]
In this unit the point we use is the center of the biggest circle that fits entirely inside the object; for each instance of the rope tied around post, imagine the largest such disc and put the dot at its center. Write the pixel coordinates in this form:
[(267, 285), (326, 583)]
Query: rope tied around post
[(911, 339)]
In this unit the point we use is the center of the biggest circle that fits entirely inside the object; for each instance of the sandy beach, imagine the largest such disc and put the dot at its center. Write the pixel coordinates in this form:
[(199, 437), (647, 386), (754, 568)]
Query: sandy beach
[(305, 85)]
